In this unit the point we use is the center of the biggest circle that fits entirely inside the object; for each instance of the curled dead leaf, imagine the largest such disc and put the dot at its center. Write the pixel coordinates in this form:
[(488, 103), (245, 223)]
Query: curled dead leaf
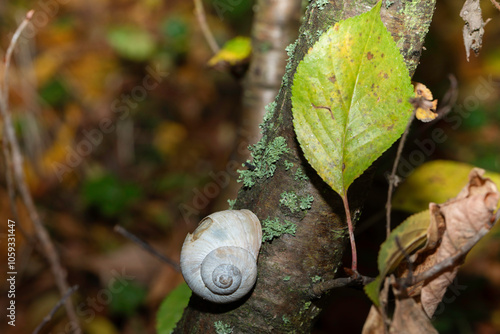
[(424, 103), (464, 216), (474, 26), (454, 228)]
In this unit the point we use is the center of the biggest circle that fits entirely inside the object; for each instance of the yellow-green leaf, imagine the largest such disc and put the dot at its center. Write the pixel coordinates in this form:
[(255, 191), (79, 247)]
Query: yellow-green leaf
[(235, 51), (412, 234), (350, 98), (436, 181)]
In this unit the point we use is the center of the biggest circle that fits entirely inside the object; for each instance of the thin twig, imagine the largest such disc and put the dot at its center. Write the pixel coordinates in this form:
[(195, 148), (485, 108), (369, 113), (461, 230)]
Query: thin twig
[(20, 182), (393, 177), (496, 4), (147, 247), (49, 316), (202, 20), (449, 99), (352, 281), (11, 190)]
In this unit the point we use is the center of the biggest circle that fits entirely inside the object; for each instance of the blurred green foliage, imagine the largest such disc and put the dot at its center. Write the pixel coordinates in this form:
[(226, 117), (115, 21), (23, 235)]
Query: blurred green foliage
[(110, 195), (128, 299)]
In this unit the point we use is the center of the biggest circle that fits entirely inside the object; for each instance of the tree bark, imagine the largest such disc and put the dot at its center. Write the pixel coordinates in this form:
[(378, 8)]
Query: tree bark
[(283, 300), (275, 26)]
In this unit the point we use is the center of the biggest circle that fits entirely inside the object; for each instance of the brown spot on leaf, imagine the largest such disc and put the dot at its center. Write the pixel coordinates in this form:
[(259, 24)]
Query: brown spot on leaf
[(399, 100), (386, 75), (382, 55), (369, 55), (389, 128), (332, 79), (343, 166)]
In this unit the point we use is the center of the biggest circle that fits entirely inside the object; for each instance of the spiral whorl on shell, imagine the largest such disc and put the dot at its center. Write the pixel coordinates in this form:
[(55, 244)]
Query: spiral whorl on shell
[(219, 260)]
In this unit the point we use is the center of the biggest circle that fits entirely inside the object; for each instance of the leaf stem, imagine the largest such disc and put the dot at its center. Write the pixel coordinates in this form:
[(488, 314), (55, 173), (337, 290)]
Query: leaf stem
[(354, 264)]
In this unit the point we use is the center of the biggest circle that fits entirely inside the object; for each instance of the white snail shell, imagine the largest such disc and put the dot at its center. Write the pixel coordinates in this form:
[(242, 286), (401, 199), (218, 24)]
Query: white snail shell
[(219, 260)]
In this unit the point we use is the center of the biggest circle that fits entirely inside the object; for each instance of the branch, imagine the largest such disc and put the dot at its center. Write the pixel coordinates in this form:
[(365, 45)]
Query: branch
[(16, 166), (147, 247), (496, 4), (49, 316), (393, 178), (202, 20), (353, 281)]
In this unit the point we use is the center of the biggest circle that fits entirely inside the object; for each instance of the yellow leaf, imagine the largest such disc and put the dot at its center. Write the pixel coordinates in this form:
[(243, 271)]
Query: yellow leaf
[(235, 51), (436, 181), (427, 105)]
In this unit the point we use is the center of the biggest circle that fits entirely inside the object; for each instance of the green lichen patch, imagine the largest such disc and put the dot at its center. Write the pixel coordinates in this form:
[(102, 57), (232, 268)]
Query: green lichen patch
[(320, 4), (222, 328), (292, 201), (273, 228), (231, 203), (270, 108), (285, 319), (265, 156), (316, 279), (288, 165), (300, 175), (286, 278), (305, 203)]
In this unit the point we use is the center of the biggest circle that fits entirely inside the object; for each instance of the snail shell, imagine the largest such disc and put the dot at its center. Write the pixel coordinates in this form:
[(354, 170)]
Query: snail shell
[(219, 260)]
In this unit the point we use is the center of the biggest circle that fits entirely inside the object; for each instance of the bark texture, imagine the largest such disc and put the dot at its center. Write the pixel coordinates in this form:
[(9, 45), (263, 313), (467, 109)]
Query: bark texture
[(283, 300)]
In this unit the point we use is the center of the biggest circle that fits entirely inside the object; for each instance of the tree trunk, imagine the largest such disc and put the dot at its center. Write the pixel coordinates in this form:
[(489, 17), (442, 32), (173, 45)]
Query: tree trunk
[(283, 300), (274, 27)]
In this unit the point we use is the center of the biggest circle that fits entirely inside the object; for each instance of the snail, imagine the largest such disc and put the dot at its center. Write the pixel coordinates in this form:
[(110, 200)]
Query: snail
[(219, 260)]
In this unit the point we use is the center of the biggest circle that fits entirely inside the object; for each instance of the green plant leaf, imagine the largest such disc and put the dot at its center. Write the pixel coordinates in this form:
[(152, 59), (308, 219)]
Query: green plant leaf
[(435, 181), (127, 300), (412, 233), (110, 195), (171, 309), (235, 51), (350, 98), (132, 42)]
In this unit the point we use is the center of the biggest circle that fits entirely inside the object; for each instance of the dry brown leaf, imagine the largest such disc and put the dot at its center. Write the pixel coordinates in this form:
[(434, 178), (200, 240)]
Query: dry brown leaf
[(424, 103), (409, 318), (474, 26), (374, 323), (454, 227), (464, 216)]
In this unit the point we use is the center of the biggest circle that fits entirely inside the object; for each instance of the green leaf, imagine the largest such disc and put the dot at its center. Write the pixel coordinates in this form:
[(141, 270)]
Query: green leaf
[(110, 195), (350, 98), (412, 233), (436, 181), (171, 309), (126, 300), (131, 42), (235, 51)]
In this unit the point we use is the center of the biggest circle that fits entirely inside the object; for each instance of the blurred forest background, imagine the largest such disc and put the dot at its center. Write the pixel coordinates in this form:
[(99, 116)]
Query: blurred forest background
[(148, 171)]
